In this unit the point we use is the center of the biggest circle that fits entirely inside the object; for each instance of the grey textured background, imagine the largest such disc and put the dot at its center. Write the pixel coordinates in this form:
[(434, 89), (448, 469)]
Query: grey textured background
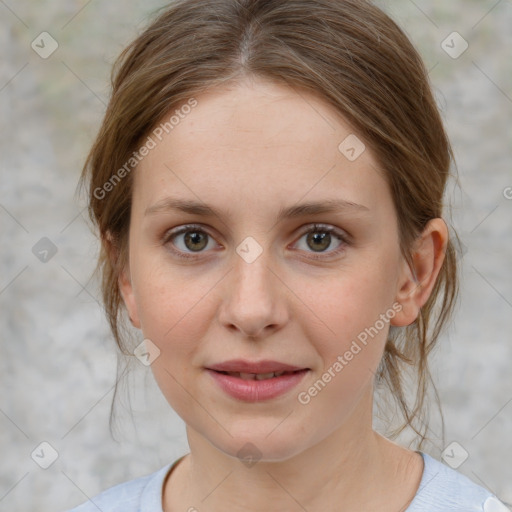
[(57, 360)]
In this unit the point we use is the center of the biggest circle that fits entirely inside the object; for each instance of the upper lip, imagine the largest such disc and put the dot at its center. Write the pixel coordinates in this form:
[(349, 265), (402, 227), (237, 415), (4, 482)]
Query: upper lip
[(244, 366)]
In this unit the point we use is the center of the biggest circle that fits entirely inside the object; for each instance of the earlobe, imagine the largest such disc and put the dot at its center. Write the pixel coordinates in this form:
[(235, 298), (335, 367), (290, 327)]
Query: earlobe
[(417, 278)]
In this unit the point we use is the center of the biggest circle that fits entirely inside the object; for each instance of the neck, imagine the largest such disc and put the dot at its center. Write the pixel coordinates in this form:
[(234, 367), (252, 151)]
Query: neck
[(225, 483), (353, 465)]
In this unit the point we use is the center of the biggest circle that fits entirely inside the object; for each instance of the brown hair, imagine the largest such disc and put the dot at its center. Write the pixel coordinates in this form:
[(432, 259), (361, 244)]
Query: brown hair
[(347, 51)]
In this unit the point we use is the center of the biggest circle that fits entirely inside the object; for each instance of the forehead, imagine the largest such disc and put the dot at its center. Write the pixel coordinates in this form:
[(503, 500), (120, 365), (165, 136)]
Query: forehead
[(258, 141)]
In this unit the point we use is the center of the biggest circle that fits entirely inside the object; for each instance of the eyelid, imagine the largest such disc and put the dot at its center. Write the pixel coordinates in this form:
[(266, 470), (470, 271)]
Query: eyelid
[(318, 226)]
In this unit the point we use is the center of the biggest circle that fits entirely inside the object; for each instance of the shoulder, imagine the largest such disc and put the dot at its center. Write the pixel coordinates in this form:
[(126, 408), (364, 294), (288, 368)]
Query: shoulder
[(446, 490), (138, 495)]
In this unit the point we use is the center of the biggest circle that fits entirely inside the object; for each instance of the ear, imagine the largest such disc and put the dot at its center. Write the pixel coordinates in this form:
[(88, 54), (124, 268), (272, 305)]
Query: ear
[(417, 279), (126, 289), (124, 280)]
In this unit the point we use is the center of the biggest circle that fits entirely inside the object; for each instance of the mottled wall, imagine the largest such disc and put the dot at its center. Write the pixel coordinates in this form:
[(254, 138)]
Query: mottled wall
[(57, 359)]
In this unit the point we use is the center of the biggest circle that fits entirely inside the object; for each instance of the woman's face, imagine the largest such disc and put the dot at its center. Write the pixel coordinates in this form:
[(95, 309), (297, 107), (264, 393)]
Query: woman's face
[(251, 282)]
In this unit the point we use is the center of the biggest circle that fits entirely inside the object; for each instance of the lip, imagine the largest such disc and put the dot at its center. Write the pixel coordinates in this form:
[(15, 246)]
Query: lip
[(244, 366), (256, 390)]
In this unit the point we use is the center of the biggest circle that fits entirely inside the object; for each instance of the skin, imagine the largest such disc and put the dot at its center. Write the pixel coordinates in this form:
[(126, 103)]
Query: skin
[(249, 149)]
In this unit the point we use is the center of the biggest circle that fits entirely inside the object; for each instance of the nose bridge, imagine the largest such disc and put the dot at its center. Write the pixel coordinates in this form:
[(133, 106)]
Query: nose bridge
[(254, 301)]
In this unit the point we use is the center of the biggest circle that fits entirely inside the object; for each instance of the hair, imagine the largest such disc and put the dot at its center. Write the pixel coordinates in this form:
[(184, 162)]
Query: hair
[(351, 54)]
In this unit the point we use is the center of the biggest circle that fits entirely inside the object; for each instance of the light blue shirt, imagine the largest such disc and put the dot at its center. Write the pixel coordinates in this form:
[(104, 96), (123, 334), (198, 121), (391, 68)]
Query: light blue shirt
[(441, 489)]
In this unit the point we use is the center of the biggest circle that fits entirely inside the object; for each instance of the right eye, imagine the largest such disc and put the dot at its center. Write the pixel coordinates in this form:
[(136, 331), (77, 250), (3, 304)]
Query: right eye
[(195, 240)]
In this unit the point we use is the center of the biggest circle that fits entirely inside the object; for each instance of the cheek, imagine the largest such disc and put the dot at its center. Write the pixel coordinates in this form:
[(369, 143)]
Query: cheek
[(174, 316), (349, 317), (349, 345), (172, 306), (158, 293), (346, 304)]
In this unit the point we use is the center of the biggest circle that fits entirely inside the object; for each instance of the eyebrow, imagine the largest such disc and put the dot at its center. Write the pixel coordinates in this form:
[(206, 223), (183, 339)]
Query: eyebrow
[(311, 208)]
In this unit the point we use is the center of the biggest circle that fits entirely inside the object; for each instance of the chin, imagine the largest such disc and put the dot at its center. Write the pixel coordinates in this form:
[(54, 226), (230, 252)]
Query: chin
[(252, 448)]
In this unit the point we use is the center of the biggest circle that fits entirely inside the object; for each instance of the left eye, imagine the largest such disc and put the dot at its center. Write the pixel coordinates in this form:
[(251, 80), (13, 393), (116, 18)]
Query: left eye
[(319, 238)]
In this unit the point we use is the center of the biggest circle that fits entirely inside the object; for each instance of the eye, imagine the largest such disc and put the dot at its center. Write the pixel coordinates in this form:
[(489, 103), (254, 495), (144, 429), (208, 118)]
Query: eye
[(195, 240), (187, 240), (319, 237)]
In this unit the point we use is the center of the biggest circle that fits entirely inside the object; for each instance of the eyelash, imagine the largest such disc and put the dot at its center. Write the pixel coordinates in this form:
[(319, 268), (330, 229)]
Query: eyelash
[(323, 228)]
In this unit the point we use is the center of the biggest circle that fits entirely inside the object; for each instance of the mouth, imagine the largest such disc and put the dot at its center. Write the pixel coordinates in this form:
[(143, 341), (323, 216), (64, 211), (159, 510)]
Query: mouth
[(257, 386), (258, 376)]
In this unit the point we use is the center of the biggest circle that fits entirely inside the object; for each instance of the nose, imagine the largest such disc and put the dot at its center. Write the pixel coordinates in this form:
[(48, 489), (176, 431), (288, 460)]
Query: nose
[(254, 299)]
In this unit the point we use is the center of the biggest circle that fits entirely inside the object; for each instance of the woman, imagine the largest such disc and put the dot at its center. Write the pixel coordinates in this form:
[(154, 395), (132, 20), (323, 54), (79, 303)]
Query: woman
[(268, 187)]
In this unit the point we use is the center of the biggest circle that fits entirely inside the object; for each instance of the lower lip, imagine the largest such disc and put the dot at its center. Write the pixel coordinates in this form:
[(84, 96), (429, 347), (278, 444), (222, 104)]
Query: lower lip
[(257, 390)]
